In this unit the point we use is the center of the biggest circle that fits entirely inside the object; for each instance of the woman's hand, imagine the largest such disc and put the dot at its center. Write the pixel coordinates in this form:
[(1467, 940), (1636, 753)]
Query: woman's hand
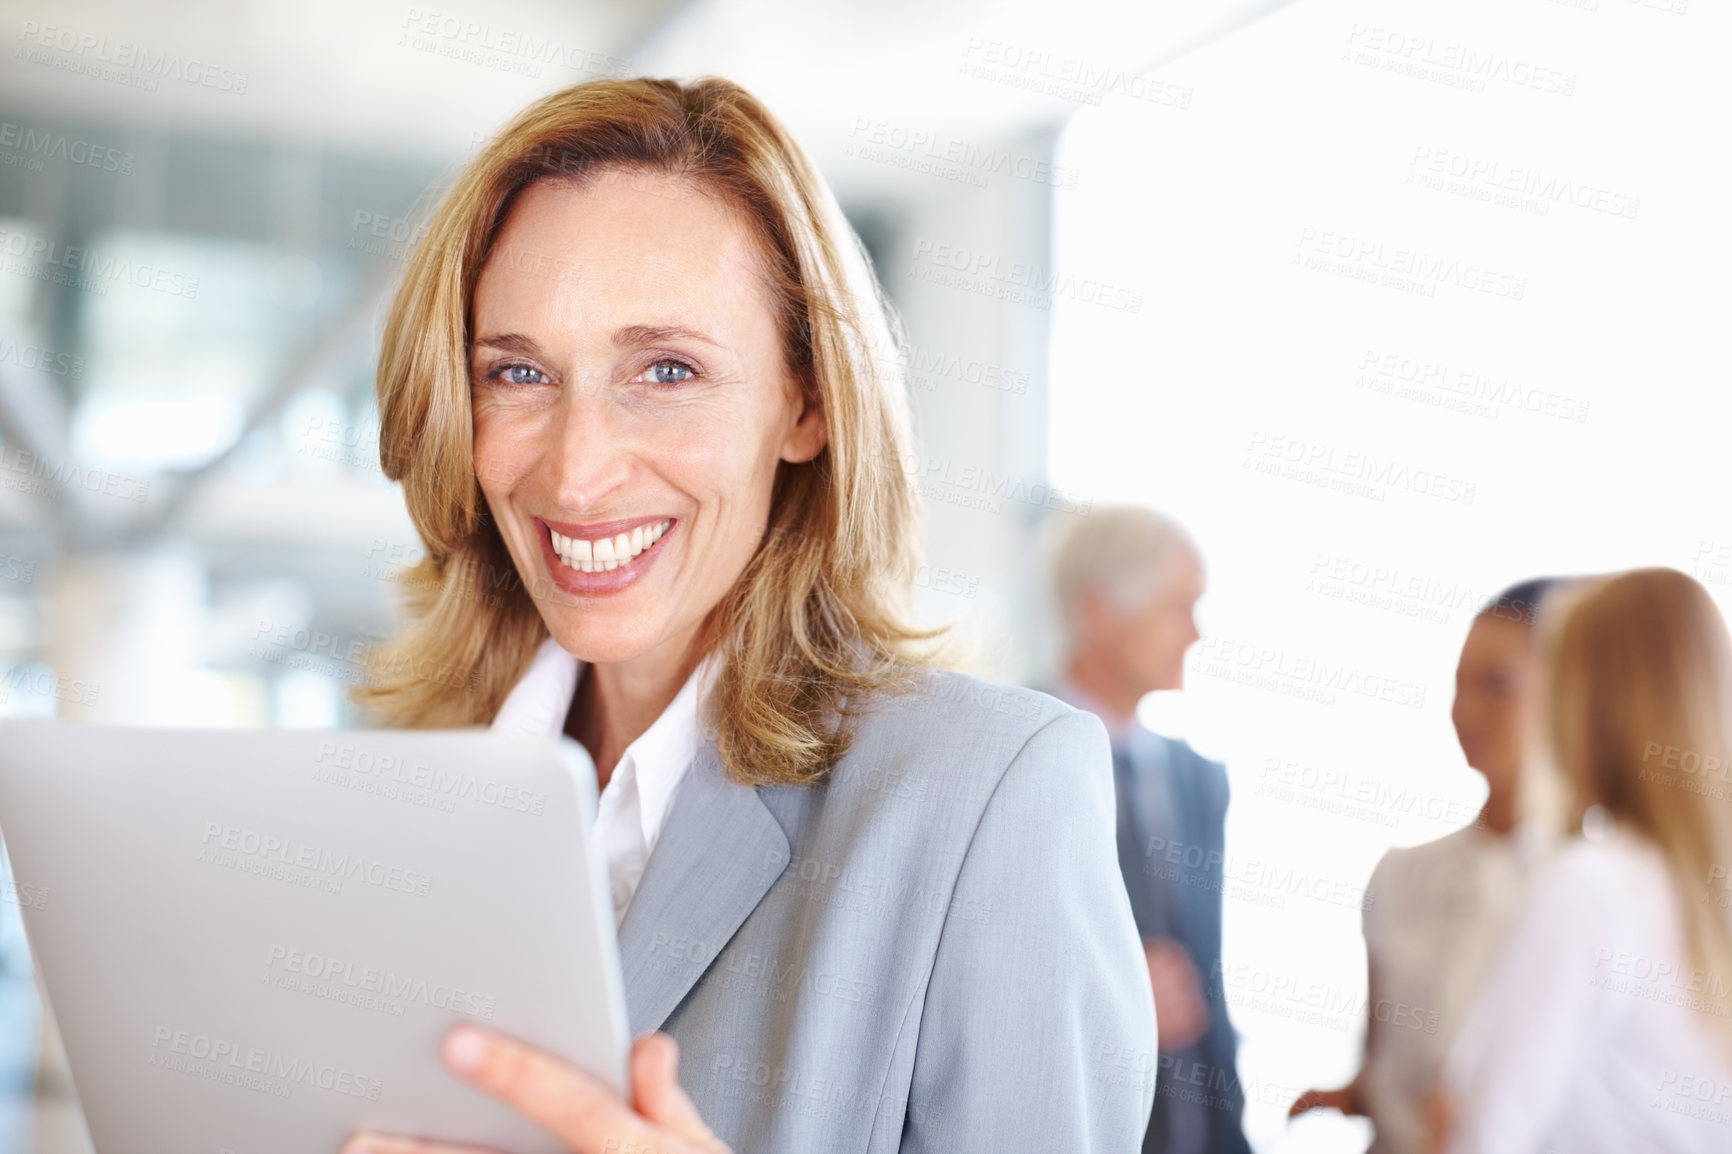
[(1439, 1121), (1345, 1100), (576, 1106)]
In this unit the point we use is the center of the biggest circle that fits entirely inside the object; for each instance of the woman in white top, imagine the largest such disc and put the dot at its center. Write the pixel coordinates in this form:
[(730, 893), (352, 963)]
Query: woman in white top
[(1607, 1025), (1437, 915)]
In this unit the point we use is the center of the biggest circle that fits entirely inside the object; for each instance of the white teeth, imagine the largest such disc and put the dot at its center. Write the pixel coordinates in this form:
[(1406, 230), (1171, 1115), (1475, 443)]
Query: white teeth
[(606, 553)]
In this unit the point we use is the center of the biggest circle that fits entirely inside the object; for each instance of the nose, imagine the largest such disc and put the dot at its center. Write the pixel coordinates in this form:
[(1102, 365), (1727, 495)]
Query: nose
[(1461, 717), (587, 459)]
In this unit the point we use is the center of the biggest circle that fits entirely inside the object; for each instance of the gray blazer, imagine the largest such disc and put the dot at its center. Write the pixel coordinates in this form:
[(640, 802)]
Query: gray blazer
[(932, 950)]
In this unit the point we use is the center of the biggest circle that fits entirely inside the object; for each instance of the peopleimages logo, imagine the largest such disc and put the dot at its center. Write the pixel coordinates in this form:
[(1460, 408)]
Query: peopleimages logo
[(272, 1071), (33, 145), (121, 61), (386, 768), (87, 269), (41, 359), (309, 972), (320, 867)]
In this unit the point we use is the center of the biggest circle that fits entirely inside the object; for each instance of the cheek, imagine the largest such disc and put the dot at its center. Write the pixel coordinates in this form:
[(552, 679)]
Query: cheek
[(704, 453), (720, 458), (1148, 646), (488, 445), (506, 447), (1161, 637)]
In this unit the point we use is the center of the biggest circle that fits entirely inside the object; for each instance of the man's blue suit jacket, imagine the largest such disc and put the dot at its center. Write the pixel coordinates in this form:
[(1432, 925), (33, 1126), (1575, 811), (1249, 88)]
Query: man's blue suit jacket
[(1174, 866)]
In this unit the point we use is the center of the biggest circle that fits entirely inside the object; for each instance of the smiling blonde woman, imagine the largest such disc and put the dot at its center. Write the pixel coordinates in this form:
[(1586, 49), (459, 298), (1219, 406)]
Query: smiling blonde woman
[(644, 398)]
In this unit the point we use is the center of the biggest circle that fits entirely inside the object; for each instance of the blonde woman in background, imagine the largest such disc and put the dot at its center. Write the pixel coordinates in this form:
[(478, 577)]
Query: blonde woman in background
[(1607, 1026)]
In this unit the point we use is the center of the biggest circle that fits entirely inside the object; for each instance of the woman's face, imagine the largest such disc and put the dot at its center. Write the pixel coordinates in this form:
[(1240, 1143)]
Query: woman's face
[(1494, 684), (631, 405)]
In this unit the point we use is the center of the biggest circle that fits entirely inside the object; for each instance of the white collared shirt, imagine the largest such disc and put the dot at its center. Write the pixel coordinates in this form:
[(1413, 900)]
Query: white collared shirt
[(641, 790)]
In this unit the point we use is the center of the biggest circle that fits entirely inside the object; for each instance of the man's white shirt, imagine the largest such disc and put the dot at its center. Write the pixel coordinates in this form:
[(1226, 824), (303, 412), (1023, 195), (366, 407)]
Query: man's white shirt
[(634, 806)]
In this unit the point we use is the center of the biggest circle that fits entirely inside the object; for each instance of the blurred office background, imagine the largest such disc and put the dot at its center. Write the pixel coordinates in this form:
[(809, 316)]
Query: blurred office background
[(1391, 303)]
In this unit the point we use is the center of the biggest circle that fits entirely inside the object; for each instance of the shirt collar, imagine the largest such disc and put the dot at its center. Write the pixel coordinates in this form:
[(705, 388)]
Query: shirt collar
[(662, 754), (538, 704)]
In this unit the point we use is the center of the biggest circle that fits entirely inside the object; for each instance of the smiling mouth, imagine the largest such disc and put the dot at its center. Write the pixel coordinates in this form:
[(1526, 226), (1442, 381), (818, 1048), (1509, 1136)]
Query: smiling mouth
[(603, 554)]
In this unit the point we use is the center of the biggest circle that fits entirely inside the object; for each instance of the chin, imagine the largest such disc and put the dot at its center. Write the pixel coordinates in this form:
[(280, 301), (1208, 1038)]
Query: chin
[(598, 641), (1168, 680)]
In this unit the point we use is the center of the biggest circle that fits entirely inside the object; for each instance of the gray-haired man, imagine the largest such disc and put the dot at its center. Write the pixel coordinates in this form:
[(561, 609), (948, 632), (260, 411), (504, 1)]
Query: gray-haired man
[(1127, 581)]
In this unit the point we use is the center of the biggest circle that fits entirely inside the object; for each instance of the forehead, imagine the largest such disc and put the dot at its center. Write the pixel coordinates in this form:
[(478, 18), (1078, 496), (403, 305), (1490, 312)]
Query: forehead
[(1496, 639), (622, 248), (1180, 571)]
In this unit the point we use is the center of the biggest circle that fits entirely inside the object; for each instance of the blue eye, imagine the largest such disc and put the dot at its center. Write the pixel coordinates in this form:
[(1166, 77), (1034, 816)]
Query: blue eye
[(518, 375), (663, 373)]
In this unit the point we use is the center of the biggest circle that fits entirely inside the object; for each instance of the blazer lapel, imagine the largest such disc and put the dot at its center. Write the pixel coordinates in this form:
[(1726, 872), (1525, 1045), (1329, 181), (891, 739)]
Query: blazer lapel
[(720, 851), (1162, 818), (1179, 771)]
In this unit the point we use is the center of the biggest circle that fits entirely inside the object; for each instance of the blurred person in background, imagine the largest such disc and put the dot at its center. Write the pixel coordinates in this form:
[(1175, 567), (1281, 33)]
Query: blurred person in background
[(637, 385), (1127, 582), (1606, 1027), (1436, 915)]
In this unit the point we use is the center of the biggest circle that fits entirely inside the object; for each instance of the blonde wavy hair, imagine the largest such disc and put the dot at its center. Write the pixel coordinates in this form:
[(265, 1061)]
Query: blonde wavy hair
[(1639, 719), (818, 621)]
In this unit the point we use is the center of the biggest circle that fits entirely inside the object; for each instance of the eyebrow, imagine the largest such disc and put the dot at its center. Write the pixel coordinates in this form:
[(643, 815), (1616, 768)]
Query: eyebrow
[(625, 337), (652, 334), (509, 342)]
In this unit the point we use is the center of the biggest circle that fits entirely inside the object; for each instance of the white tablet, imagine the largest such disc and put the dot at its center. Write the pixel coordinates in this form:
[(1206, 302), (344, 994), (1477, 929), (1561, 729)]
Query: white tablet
[(253, 942)]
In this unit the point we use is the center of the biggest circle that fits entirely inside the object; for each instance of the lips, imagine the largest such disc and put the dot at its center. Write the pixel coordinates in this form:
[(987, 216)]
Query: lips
[(601, 557)]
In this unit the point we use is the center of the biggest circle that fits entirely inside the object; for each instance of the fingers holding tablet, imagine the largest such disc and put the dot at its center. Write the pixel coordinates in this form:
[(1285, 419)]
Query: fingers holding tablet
[(579, 1108), (655, 1067)]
